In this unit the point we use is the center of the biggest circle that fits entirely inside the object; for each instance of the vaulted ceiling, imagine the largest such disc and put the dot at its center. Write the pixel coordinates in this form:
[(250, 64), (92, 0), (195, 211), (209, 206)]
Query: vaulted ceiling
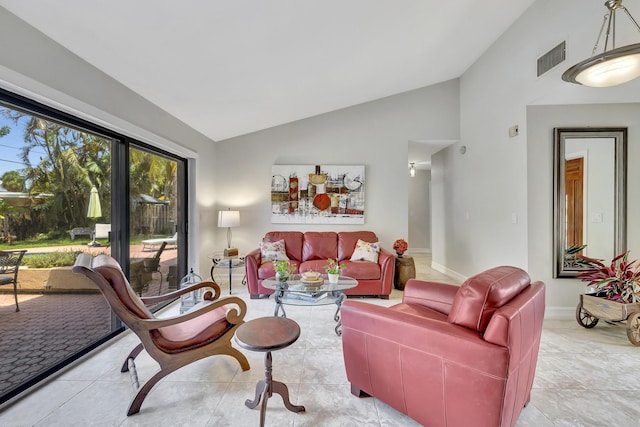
[(228, 68)]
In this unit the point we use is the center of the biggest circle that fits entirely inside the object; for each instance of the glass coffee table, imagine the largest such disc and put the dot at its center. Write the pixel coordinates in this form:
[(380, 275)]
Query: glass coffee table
[(296, 292)]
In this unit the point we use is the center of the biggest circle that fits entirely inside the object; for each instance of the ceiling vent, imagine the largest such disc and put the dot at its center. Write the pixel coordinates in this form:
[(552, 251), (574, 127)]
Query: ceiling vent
[(551, 59)]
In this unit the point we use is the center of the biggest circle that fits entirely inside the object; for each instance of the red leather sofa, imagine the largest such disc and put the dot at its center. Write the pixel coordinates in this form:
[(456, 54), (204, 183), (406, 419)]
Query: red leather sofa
[(449, 355), (310, 251)]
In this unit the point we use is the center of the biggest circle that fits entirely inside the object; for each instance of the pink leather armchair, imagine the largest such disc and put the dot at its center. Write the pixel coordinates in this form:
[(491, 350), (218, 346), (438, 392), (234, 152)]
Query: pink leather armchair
[(449, 355)]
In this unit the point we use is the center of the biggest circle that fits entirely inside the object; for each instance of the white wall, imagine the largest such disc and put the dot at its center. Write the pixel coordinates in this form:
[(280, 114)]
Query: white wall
[(419, 236), (478, 195), (374, 134)]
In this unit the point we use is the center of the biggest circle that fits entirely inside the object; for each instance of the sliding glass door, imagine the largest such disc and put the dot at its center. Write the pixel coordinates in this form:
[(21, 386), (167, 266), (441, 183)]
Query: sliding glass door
[(154, 218), (69, 187)]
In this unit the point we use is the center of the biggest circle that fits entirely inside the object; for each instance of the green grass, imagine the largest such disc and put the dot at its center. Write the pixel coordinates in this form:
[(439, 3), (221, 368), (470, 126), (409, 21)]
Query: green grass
[(36, 243), (44, 243), (50, 259)]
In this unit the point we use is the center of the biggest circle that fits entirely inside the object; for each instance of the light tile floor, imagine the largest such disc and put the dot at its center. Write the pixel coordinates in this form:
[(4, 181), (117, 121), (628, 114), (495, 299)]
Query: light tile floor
[(584, 378)]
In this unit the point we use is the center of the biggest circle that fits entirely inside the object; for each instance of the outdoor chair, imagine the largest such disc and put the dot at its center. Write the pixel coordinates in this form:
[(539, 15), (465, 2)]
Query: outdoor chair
[(9, 267), (150, 243), (173, 342), (141, 271), (152, 265)]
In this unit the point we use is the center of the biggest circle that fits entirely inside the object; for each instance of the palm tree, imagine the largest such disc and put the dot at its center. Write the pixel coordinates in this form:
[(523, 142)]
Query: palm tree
[(71, 162)]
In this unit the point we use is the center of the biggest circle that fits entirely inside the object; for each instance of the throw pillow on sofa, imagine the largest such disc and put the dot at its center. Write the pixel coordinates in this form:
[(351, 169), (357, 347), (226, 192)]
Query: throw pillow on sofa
[(273, 251), (366, 251)]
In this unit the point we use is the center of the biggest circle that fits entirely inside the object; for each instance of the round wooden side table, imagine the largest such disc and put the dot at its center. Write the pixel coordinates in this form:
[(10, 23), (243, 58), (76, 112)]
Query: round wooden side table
[(405, 270), (267, 334)]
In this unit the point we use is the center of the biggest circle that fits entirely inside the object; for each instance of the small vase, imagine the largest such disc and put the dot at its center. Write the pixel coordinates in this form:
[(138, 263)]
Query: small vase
[(282, 277), (399, 254), (333, 277)]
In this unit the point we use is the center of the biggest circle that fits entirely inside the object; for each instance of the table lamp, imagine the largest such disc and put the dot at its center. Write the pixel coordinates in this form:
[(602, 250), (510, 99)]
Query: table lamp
[(229, 219)]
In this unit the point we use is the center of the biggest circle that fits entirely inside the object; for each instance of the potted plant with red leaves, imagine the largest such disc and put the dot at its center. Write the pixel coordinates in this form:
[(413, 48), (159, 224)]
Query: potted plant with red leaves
[(620, 281), (614, 295)]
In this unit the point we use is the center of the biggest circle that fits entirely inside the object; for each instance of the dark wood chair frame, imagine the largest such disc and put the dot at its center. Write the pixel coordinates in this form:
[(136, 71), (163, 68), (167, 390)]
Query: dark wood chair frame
[(143, 328), (9, 267)]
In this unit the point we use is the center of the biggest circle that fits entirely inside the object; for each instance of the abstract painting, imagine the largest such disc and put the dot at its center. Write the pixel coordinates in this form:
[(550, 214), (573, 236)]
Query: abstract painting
[(317, 194)]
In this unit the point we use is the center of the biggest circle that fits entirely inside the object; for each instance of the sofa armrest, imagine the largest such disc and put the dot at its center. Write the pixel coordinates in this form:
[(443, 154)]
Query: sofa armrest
[(434, 295), (252, 262), (387, 263)]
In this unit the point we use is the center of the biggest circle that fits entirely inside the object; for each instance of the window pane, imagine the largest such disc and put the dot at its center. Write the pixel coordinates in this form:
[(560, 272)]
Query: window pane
[(153, 195), (55, 194)]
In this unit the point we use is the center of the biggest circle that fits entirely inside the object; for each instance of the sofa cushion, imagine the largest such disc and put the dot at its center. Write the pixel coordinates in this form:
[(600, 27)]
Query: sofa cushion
[(366, 251), (184, 335), (362, 270), (347, 242), (266, 271), (320, 245), (481, 295), (316, 265), (273, 251), (292, 242)]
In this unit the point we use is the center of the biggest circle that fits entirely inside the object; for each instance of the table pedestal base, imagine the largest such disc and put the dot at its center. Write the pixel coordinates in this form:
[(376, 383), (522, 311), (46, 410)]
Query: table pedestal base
[(265, 389)]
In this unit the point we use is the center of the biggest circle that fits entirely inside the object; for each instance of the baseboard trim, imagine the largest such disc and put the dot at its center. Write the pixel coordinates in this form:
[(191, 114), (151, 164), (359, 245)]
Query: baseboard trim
[(560, 313), (444, 270)]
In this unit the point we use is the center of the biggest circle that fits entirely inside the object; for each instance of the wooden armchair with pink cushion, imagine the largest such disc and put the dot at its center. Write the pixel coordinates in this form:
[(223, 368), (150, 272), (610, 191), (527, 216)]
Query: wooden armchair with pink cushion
[(449, 355), (174, 342)]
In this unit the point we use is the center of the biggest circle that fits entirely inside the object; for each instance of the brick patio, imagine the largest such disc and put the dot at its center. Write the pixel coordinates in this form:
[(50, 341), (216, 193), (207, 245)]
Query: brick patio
[(47, 329), (52, 326)]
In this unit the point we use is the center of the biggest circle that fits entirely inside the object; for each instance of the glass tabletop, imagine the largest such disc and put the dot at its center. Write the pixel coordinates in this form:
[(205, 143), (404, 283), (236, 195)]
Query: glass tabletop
[(221, 260), (294, 283)]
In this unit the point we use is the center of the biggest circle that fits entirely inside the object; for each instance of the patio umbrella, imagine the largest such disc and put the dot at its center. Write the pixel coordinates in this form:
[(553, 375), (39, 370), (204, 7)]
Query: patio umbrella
[(94, 210)]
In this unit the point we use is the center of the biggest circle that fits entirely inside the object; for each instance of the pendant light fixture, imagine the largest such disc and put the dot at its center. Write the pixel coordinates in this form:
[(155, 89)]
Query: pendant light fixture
[(412, 170), (611, 67)]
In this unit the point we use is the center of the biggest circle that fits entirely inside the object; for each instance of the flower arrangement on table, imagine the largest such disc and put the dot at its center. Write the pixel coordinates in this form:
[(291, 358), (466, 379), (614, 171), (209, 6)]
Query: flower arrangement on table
[(400, 246), (618, 282), (333, 267)]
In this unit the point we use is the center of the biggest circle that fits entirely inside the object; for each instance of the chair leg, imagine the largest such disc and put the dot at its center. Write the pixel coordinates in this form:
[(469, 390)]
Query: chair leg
[(134, 353), (15, 295), (160, 286), (357, 392), (136, 403), (241, 358)]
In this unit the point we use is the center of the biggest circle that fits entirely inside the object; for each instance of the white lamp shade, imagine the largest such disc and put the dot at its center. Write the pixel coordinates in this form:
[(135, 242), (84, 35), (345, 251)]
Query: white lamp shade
[(228, 218), (610, 68)]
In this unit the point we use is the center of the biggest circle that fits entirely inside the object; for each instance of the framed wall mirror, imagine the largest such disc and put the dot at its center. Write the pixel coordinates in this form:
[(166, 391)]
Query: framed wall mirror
[(590, 197)]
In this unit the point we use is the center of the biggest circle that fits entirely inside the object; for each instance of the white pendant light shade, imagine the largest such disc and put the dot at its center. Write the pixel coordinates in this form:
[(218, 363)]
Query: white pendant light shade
[(611, 68), (412, 170)]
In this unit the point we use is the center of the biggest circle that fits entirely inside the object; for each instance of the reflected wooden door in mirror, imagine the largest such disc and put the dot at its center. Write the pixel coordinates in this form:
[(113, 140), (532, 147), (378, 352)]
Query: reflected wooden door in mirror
[(590, 197)]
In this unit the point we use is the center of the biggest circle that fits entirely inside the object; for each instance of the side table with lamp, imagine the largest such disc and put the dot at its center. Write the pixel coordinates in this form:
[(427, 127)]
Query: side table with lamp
[(228, 259), (229, 263)]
